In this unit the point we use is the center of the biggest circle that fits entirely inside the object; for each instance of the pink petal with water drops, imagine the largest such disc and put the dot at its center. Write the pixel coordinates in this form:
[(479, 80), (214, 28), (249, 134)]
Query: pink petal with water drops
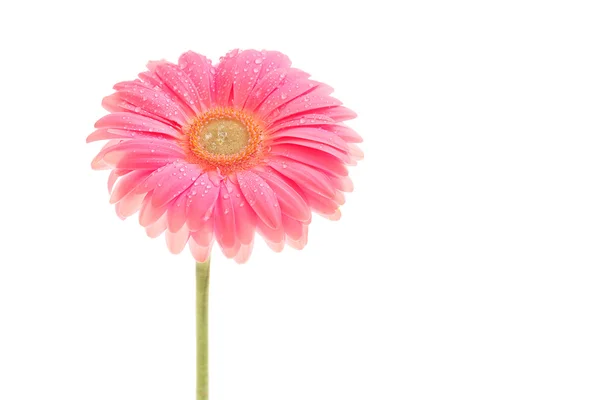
[(246, 71), (201, 202), (198, 68), (154, 103), (264, 87), (141, 146), (245, 217), (301, 121), (224, 77), (138, 123), (116, 103), (179, 83), (289, 90), (225, 219), (260, 197), (304, 104), (273, 60), (177, 211), (179, 177), (176, 241)]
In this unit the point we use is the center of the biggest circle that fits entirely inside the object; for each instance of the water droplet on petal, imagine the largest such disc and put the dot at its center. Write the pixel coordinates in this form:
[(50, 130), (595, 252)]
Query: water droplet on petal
[(258, 61)]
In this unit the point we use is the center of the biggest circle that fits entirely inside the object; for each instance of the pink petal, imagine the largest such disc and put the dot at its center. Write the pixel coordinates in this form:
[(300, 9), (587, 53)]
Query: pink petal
[(199, 252), (246, 73), (198, 68), (293, 228), (245, 217), (260, 197), (171, 181), (321, 205), (301, 121), (180, 84), (309, 144), (153, 102), (345, 133), (290, 201), (127, 184), (200, 205), (177, 212), (264, 87), (300, 243), (244, 253), (315, 158), (204, 235), (112, 179), (308, 103), (304, 176), (274, 236), (224, 76), (127, 121), (273, 60), (355, 152), (339, 113), (289, 90), (343, 183), (149, 214), (225, 219), (129, 204), (157, 228), (115, 103), (318, 135), (176, 241)]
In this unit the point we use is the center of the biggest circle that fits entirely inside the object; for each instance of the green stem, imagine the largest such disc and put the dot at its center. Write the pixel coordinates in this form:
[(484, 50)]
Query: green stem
[(202, 278)]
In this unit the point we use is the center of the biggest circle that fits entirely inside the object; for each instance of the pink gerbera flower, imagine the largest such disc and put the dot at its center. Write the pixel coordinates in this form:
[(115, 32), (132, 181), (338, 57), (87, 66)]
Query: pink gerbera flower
[(216, 153)]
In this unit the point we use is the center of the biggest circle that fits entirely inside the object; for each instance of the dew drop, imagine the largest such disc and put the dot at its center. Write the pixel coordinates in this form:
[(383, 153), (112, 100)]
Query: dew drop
[(258, 61)]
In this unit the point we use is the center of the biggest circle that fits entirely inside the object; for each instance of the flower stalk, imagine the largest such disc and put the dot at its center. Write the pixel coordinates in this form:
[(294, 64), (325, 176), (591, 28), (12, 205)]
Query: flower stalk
[(202, 280)]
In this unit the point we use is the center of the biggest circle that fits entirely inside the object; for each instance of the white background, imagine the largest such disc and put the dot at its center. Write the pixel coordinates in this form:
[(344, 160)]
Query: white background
[(466, 265)]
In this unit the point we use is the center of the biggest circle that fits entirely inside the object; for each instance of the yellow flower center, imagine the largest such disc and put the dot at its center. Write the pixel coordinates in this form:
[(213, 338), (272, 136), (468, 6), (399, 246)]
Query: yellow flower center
[(223, 136), (225, 139)]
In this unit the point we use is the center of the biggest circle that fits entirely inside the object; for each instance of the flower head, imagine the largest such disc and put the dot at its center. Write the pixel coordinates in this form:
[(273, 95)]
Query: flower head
[(216, 153)]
